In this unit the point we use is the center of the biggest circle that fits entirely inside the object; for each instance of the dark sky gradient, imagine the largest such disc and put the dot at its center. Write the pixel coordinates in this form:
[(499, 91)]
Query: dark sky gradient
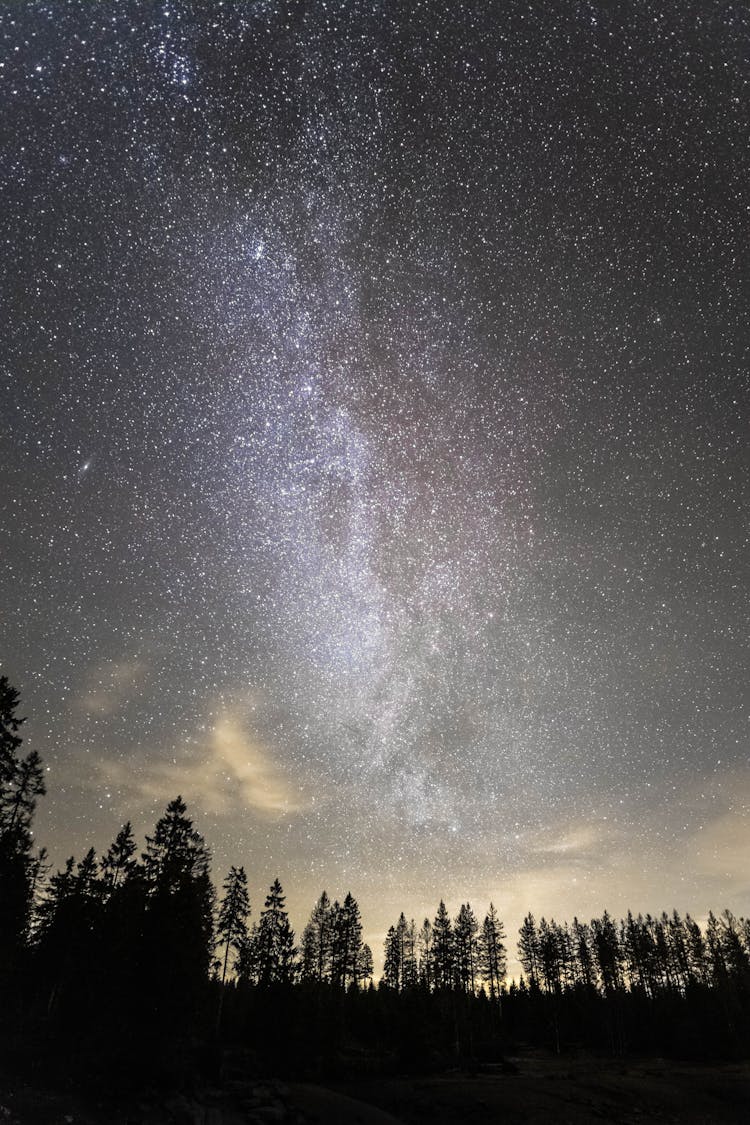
[(375, 467)]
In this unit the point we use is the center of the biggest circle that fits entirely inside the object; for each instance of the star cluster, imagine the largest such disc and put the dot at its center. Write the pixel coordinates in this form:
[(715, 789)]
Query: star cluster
[(375, 384)]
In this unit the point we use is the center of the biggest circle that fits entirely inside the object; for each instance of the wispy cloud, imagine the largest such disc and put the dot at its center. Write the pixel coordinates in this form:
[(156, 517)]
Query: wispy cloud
[(234, 771), (108, 686)]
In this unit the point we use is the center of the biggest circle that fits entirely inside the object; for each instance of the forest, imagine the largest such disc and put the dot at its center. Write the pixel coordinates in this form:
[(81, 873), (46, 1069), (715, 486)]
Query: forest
[(133, 967)]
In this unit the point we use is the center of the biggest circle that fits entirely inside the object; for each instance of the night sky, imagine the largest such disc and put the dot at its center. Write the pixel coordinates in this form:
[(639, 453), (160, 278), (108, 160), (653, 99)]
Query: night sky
[(375, 461)]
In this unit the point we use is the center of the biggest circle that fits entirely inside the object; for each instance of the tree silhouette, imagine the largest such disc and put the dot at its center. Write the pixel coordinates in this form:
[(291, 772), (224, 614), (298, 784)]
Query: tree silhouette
[(317, 941), (347, 941), (21, 783), (115, 964), (231, 925), (528, 950), (118, 864), (392, 962), (365, 966), (442, 949), (492, 959), (465, 930), (178, 924), (426, 962), (275, 952)]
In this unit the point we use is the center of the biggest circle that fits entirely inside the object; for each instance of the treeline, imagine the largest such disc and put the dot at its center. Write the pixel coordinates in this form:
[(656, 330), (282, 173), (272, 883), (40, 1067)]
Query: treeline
[(131, 964)]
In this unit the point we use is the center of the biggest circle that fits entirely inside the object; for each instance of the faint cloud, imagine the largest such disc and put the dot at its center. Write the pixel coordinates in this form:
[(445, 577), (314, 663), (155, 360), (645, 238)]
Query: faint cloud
[(235, 771), (109, 686), (721, 848), (576, 842)]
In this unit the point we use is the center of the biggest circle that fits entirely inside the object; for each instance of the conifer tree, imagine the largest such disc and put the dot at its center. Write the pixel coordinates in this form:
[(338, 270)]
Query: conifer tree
[(177, 942), (317, 941), (275, 950), (176, 852), (528, 950), (392, 962), (442, 949), (118, 864), (584, 959), (492, 954), (247, 957), (347, 941), (409, 972), (365, 966), (21, 783), (608, 952), (424, 944), (465, 930), (231, 926)]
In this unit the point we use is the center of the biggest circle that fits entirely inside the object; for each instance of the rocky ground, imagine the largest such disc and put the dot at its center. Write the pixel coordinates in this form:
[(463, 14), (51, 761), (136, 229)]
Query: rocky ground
[(531, 1090)]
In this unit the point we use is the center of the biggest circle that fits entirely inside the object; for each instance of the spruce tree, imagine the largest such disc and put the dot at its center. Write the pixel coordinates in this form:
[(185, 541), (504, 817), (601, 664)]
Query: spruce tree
[(275, 952), (21, 783), (492, 953), (528, 950), (347, 941), (442, 949), (365, 966), (424, 945), (231, 926), (317, 941), (118, 864), (465, 929), (178, 925), (392, 962)]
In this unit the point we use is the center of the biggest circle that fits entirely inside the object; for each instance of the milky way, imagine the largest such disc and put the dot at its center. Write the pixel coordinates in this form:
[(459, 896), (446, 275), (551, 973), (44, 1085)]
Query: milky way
[(375, 388)]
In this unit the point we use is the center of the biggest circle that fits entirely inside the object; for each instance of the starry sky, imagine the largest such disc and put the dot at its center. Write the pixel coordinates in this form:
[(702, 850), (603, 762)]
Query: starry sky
[(375, 451)]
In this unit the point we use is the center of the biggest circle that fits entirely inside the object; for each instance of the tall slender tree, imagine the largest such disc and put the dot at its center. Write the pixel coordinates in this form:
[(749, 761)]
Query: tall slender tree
[(442, 949), (492, 954), (317, 941), (21, 783), (178, 942), (347, 941), (231, 925), (528, 950), (275, 941), (465, 930), (119, 864), (392, 962), (424, 945)]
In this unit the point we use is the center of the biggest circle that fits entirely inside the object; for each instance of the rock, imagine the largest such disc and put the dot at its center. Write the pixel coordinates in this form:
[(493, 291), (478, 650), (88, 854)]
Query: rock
[(270, 1113), (184, 1112)]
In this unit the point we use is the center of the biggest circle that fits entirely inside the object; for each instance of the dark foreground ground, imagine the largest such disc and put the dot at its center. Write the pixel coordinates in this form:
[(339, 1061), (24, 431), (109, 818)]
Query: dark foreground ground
[(532, 1089)]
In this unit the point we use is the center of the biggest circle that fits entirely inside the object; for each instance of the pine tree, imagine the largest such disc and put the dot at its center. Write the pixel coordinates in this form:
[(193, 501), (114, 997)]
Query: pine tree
[(347, 941), (177, 943), (492, 954), (465, 930), (426, 967), (118, 864), (231, 926), (247, 957), (528, 950), (409, 972), (10, 741), (317, 941), (392, 962), (21, 783), (584, 959), (608, 952), (442, 949), (550, 955), (176, 852), (365, 966), (275, 950)]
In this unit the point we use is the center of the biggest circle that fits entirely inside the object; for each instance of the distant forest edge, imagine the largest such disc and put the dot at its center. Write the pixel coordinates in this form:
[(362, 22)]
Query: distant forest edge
[(136, 967)]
